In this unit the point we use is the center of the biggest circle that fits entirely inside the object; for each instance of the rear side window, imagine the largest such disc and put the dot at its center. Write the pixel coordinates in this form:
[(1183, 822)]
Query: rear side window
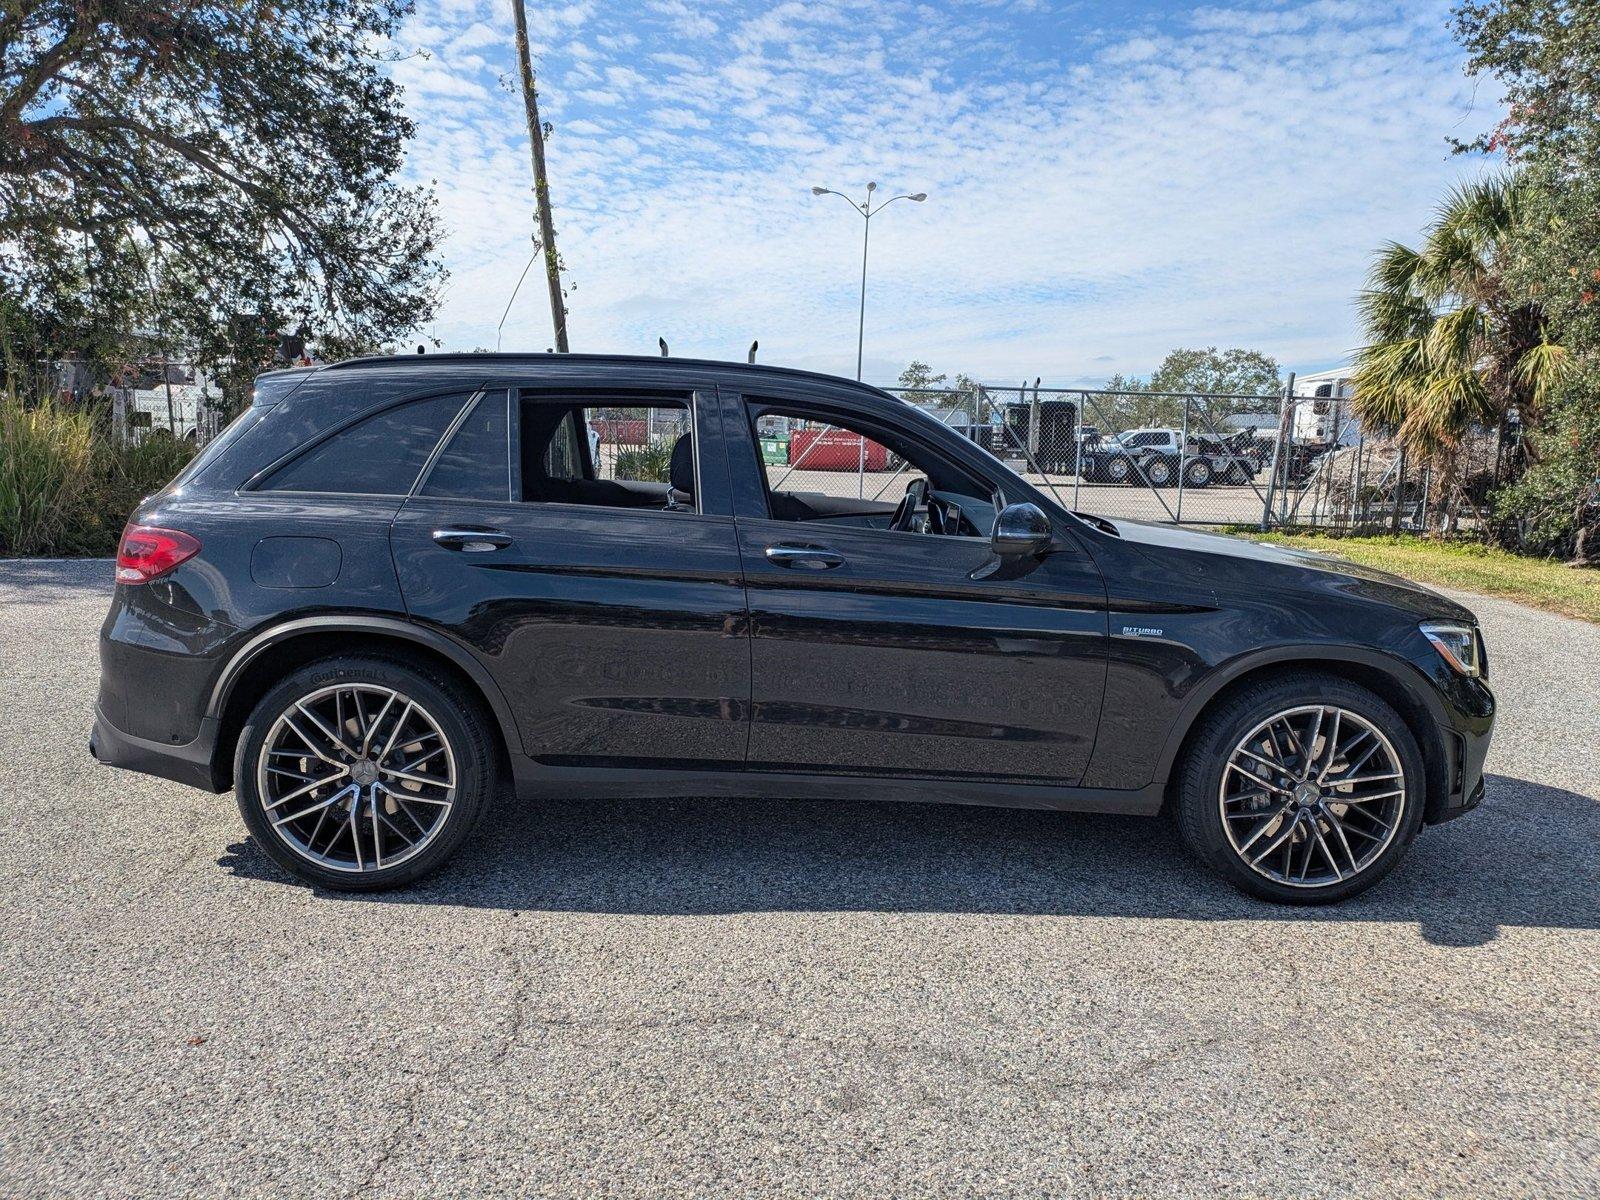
[(380, 456), (476, 462)]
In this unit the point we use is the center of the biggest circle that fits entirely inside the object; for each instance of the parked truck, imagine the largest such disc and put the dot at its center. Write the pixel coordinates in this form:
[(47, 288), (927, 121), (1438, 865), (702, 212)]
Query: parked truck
[(1158, 457)]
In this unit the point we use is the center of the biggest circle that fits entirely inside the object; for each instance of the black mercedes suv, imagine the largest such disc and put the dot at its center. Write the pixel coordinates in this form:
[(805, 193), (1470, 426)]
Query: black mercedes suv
[(395, 588)]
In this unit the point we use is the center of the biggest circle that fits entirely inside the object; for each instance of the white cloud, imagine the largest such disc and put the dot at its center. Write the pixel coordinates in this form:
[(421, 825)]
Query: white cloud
[(1098, 194)]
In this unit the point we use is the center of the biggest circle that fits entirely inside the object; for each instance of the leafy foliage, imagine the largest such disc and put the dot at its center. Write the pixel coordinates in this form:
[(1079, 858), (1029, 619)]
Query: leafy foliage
[(921, 383), (1546, 55), (211, 171), (1210, 372), (1552, 506), (1205, 372), (1449, 347)]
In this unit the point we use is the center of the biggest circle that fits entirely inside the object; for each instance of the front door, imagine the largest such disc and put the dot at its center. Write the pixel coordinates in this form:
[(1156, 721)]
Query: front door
[(567, 541), (884, 640)]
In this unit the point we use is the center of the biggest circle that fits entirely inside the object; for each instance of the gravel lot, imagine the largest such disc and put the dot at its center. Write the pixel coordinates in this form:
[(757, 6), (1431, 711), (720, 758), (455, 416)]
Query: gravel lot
[(736, 998)]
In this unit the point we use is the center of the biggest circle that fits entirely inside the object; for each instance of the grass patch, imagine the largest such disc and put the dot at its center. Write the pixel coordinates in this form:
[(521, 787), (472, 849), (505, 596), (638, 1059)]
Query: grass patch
[(1465, 566)]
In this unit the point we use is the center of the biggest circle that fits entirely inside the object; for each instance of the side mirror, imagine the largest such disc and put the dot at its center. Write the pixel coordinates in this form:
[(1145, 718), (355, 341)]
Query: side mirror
[(1021, 529)]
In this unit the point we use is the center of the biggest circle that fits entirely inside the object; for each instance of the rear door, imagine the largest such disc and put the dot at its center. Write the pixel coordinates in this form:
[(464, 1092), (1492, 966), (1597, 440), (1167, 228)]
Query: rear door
[(603, 590), (904, 652)]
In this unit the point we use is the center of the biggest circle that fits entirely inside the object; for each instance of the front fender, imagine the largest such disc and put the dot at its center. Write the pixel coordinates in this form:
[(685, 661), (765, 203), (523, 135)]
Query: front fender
[(1395, 678)]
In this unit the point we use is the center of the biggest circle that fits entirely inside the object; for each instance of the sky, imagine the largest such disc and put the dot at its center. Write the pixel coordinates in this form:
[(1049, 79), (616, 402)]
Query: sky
[(1106, 181)]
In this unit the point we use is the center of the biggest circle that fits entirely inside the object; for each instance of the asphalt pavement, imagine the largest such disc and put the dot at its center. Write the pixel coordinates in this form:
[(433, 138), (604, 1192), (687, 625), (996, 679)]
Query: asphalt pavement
[(733, 998)]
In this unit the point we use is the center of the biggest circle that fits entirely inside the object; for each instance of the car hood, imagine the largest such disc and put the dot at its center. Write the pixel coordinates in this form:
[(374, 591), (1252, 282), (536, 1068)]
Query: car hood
[(1381, 586)]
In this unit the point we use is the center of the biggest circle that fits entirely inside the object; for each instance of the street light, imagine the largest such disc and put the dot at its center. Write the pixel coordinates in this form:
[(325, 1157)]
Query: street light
[(867, 211)]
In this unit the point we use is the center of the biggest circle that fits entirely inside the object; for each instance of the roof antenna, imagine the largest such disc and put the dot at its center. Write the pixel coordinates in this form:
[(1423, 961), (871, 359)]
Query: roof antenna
[(662, 342), (753, 346)]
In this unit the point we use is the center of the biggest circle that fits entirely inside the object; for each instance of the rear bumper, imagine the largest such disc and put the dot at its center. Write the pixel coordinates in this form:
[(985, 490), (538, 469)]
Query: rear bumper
[(187, 762)]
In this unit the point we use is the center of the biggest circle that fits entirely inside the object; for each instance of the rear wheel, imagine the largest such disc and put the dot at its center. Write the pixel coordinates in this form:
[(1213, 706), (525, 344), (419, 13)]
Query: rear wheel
[(1116, 469), (360, 773), (1197, 474), (1302, 791), (1160, 471)]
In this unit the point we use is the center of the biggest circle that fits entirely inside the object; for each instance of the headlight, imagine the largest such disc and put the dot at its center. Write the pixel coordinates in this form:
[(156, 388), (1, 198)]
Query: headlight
[(1457, 645)]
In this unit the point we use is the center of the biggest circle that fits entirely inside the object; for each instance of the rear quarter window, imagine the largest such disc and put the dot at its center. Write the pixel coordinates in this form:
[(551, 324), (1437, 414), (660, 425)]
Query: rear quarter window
[(475, 463), (215, 448), (379, 456)]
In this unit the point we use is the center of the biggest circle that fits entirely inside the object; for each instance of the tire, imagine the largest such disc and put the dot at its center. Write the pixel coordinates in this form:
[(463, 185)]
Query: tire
[(1332, 864), (1197, 474), (429, 728), (1116, 469), (1160, 471)]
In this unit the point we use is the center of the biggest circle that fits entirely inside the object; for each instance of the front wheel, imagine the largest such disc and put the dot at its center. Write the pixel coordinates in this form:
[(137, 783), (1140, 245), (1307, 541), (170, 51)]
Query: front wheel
[(1301, 791), (361, 773)]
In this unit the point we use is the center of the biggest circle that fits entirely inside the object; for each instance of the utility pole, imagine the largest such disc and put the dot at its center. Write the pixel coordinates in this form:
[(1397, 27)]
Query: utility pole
[(541, 184)]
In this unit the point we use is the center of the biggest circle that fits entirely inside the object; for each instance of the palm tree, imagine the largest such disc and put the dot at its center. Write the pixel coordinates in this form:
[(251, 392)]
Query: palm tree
[(1450, 347)]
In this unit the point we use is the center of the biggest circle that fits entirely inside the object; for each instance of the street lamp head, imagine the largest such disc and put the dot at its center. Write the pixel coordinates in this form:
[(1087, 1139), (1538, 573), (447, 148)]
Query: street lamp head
[(872, 187), (819, 191), (919, 197)]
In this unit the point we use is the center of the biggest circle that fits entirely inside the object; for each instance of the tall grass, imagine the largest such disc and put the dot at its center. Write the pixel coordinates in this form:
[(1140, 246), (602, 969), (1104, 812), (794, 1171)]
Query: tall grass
[(45, 456), (66, 487)]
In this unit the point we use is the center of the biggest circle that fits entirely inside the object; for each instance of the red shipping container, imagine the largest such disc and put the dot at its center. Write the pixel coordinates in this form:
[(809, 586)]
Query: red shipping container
[(835, 450)]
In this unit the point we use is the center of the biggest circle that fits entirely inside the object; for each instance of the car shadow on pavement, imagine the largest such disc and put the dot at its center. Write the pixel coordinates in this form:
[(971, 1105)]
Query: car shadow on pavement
[(1524, 859)]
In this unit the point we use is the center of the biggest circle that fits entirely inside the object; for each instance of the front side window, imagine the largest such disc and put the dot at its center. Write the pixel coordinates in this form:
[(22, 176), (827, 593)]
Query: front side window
[(379, 456), (825, 468)]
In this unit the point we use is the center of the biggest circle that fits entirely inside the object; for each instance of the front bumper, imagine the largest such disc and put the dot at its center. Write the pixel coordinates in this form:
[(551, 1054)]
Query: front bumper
[(1464, 738), (186, 762)]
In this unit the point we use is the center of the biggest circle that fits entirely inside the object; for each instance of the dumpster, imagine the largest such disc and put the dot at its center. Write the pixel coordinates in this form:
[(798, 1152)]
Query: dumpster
[(835, 450), (775, 450)]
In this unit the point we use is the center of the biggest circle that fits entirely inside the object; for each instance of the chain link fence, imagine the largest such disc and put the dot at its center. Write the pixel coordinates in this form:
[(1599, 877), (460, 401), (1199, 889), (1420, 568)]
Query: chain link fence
[(1147, 456), (1337, 475), (1192, 459)]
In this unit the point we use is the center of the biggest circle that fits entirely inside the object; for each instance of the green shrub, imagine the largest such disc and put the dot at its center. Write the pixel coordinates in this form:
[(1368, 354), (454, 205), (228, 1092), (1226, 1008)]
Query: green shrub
[(646, 464), (1558, 500)]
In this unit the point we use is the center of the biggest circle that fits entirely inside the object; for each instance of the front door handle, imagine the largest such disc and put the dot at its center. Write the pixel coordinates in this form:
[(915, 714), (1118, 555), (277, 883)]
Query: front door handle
[(472, 541), (807, 558)]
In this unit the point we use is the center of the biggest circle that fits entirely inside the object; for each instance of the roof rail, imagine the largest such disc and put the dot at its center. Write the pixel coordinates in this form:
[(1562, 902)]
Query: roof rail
[(546, 360)]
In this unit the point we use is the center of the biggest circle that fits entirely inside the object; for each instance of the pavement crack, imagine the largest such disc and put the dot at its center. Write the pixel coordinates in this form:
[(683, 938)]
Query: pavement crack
[(447, 1074)]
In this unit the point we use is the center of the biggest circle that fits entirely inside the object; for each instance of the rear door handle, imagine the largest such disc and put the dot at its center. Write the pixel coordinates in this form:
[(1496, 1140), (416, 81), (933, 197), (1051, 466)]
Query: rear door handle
[(807, 558), (472, 541)]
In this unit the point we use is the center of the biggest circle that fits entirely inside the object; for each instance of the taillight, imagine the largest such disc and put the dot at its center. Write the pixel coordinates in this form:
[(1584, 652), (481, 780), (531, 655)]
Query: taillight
[(147, 552)]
